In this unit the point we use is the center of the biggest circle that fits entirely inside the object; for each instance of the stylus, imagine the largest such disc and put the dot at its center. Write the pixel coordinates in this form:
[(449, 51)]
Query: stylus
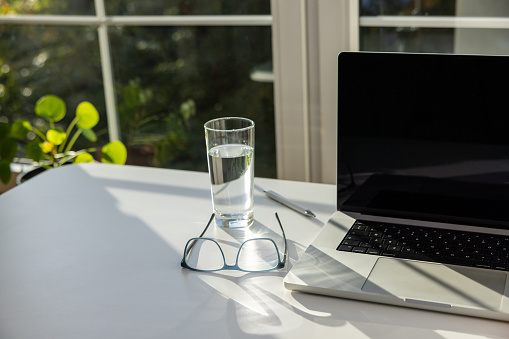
[(282, 200)]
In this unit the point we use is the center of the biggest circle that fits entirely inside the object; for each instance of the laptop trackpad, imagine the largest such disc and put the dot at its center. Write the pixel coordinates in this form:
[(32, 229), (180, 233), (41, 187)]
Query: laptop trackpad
[(436, 284)]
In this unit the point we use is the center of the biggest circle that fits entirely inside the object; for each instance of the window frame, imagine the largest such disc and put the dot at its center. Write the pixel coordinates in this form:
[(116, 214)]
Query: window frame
[(308, 35)]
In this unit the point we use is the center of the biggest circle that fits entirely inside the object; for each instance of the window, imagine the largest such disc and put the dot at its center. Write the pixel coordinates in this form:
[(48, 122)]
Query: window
[(461, 26), (176, 63), (156, 70), (441, 26)]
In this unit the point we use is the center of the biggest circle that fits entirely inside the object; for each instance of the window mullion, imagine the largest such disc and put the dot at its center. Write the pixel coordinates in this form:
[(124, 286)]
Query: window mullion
[(433, 21), (107, 71), (144, 20)]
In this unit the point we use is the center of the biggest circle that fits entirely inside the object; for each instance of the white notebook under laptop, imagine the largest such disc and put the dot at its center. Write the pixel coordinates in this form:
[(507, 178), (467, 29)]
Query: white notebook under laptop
[(423, 186)]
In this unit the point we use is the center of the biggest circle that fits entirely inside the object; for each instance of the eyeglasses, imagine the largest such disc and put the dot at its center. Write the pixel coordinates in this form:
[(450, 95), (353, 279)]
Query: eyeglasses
[(254, 255)]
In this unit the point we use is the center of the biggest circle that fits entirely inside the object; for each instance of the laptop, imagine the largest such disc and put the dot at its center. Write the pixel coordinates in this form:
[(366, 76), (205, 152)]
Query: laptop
[(422, 216)]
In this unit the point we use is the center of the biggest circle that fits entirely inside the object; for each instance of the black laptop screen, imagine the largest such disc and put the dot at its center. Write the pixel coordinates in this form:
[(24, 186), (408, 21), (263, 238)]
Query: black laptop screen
[(424, 136)]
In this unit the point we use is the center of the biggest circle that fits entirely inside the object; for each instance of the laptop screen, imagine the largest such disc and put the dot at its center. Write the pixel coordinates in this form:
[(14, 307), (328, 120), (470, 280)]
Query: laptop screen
[(424, 136)]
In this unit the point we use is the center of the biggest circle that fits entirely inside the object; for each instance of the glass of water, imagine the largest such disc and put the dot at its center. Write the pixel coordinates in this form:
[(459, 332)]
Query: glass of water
[(230, 150)]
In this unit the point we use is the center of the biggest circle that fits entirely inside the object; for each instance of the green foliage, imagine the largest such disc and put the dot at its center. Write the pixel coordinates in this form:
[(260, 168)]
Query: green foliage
[(83, 158), (54, 148), (87, 115), (20, 129), (8, 150), (50, 107), (114, 153), (34, 151), (56, 136)]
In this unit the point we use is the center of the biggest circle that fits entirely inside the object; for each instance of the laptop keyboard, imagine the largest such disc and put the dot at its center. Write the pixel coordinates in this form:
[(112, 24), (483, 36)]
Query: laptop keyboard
[(428, 244)]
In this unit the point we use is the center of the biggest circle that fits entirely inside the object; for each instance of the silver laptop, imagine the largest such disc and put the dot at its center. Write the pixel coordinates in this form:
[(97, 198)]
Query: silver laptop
[(422, 188)]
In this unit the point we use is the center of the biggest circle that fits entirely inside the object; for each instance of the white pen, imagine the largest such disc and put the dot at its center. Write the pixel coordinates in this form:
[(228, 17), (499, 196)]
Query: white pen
[(282, 200)]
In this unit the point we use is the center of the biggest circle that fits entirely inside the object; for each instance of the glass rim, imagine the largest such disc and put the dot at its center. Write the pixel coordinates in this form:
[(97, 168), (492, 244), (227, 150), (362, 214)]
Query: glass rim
[(252, 125)]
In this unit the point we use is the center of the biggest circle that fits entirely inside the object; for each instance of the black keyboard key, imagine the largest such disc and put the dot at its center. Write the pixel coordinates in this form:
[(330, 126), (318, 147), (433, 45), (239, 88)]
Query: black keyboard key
[(407, 250), (359, 233), (393, 248), (390, 253), (351, 242), (415, 256), (482, 265), (390, 242), (359, 249), (346, 248), (357, 238), (359, 227), (501, 267)]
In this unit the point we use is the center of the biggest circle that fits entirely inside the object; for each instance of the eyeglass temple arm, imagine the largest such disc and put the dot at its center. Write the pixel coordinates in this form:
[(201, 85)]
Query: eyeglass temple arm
[(190, 247), (284, 237), (208, 224)]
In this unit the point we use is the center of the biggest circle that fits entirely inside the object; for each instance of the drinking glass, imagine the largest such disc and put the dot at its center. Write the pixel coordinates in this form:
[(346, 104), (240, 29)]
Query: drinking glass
[(230, 156)]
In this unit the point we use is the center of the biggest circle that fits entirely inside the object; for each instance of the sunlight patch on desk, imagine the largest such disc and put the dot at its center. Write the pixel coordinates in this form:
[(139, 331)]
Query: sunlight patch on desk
[(299, 306), (455, 335), (231, 290)]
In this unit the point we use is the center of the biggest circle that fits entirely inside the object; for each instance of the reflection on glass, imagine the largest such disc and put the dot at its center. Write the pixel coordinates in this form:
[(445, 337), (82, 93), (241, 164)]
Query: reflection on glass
[(407, 39), (171, 80), (187, 7)]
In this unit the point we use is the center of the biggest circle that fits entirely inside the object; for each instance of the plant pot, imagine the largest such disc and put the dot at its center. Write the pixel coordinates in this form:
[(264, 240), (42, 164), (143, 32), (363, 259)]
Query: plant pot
[(29, 173)]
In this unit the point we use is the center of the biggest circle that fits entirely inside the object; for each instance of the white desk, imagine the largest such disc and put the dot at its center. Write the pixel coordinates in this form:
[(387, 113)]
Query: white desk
[(93, 251)]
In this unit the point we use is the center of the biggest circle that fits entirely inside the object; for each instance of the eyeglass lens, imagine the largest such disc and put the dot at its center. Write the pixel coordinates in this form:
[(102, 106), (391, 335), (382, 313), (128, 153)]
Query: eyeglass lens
[(254, 255)]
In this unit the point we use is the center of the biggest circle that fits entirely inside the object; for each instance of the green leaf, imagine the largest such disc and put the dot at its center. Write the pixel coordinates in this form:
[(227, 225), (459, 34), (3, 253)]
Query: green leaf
[(114, 153), (5, 171), (20, 129), (9, 150), (89, 134), (83, 157), (4, 130), (56, 136), (188, 109), (34, 151), (87, 115), (50, 107)]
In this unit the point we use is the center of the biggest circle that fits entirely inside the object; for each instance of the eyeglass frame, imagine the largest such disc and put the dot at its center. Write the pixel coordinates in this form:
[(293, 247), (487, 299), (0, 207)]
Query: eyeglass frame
[(281, 263)]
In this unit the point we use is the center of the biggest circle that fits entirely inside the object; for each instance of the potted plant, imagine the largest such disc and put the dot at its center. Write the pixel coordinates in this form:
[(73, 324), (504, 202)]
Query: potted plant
[(54, 147)]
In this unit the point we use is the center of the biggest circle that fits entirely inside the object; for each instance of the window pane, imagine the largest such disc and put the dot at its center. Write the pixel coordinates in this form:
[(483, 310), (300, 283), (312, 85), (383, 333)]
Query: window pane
[(407, 39), (171, 80), (407, 7), (40, 60), (74, 7), (187, 7), (473, 8)]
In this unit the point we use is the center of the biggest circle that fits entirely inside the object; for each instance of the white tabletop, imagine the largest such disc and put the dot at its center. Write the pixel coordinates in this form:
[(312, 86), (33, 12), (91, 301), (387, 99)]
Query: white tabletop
[(93, 251)]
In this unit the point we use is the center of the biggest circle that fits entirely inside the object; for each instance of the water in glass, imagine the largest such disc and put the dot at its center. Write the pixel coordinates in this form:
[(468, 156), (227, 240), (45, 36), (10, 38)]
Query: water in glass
[(231, 174)]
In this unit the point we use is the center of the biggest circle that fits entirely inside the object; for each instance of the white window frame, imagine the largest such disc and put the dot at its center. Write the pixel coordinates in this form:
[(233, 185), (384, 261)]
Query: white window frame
[(308, 35)]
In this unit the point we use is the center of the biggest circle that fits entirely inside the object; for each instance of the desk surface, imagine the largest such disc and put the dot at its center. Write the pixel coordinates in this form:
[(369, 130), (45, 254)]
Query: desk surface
[(93, 251)]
